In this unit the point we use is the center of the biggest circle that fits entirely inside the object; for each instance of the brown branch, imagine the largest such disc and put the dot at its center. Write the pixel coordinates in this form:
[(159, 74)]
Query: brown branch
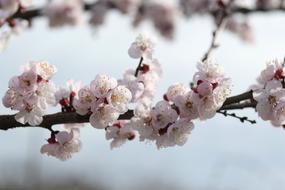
[(239, 98), (239, 106), (9, 122)]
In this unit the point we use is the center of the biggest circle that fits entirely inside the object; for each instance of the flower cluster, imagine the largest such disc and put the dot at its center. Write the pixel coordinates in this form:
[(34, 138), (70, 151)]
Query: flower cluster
[(31, 92), (104, 99), (270, 93), (211, 88), (169, 122)]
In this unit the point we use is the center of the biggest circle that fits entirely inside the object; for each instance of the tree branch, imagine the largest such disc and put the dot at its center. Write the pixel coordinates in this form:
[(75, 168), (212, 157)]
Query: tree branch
[(33, 13), (9, 122)]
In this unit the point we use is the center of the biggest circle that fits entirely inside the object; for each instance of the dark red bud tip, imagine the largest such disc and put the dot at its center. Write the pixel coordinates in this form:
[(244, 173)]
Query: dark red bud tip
[(39, 79), (131, 136), (11, 22), (52, 140), (199, 82), (214, 85), (221, 4), (64, 102), (195, 90), (118, 125), (278, 74), (165, 97), (89, 112), (73, 94), (145, 68)]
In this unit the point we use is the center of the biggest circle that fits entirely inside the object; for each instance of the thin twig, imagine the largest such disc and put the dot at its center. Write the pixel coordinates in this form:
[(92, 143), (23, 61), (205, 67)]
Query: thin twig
[(242, 119), (221, 17)]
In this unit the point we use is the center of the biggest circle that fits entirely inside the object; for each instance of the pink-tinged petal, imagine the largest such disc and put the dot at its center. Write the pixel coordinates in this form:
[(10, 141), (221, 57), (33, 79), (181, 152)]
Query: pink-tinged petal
[(135, 52), (64, 137)]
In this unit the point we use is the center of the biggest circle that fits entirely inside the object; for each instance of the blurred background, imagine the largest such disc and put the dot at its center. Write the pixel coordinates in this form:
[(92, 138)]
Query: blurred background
[(221, 153)]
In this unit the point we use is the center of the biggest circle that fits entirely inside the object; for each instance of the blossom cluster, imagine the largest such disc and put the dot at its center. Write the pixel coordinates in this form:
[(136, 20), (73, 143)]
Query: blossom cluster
[(31, 93), (167, 123), (269, 93)]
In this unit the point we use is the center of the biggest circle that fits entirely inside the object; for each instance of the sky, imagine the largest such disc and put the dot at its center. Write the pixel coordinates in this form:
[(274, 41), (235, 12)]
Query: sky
[(221, 153)]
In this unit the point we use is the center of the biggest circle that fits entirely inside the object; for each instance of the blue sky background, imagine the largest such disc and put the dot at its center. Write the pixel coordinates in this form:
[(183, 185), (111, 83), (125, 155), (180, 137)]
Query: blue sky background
[(221, 153)]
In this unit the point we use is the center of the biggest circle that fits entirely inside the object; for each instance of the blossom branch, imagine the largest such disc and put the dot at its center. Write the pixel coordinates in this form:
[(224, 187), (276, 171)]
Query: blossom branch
[(9, 122), (33, 13)]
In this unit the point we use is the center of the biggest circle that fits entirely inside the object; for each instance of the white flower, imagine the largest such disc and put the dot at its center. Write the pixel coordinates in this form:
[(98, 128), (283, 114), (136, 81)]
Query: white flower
[(10, 98), (208, 105), (208, 70), (45, 94), (142, 47), (274, 70), (269, 102), (179, 131), (134, 85), (27, 82), (186, 105), (84, 101), (102, 85), (64, 12), (162, 115), (119, 98), (32, 115), (62, 145), (104, 116), (177, 134), (143, 108), (176, 90), (144, 128), (45, 70), (119, 133)]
